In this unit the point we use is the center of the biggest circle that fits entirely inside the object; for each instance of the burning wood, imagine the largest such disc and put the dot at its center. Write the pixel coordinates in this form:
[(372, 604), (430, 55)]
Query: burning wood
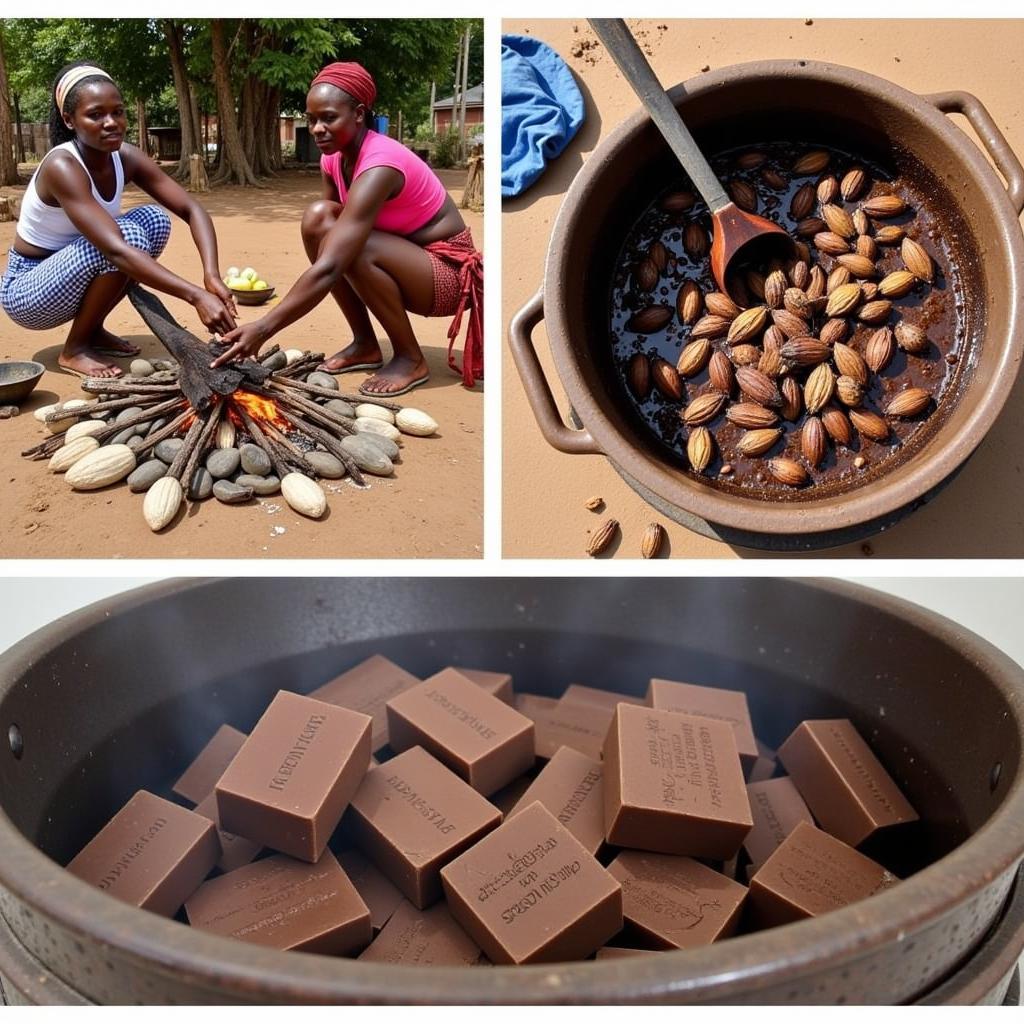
[(164, 433)]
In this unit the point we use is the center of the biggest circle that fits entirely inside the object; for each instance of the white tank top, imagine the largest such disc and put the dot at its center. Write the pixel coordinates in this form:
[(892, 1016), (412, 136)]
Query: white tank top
[(49, 227)]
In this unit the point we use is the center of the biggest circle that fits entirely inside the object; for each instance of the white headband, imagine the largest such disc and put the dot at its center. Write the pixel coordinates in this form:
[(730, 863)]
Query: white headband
[(71, 78)]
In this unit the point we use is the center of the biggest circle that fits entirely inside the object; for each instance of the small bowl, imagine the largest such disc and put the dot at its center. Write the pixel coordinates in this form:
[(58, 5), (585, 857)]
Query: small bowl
[(251, 298), (18, 380)]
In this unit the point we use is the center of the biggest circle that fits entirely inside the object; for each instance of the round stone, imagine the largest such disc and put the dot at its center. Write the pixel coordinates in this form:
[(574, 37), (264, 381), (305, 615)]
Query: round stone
[(322, 380), (278, 361), (366, 426), (141, 368), (201, 486), (223, 462), (152, 428), (135, 442), (261, 485), (167, 450), (125, 414), (231, 493), (255, 461), (164, 365), (341, 408), (122, 436), (144, 476), (326, 465), (367, 455), (386, 445)]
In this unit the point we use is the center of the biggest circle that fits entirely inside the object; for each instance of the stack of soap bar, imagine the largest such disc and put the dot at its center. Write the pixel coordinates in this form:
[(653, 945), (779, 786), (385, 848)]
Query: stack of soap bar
[(497, 684), (777, 808), (198, 780), (422, 938), (235, 851), (289, 784)]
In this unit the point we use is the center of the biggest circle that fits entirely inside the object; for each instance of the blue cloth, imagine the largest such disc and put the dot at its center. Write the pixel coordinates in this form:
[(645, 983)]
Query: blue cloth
[(541, 110)]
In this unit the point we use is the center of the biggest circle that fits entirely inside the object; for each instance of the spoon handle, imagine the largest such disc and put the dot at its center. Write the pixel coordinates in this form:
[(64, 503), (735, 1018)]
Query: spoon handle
[(619, 42)]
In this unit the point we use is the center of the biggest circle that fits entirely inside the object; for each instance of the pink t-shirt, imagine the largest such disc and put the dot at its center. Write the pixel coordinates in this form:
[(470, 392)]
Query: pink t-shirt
[(422, 194)]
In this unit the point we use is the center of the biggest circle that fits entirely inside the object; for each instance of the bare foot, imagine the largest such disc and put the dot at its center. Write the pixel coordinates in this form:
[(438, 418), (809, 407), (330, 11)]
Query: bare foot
[(86, 362), (396, 377), (365, 355), (111, 345)]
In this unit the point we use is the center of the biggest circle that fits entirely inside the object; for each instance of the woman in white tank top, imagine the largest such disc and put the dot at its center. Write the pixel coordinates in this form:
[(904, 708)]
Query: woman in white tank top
[(75, 253)]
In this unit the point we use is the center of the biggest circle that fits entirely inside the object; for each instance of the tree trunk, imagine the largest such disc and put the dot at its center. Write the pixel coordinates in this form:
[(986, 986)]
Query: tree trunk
[(8, 165), (454, 123), (276, 159), (182, 94), (235, 166), (433, 100), (462, 109), (19, 139), (140, 116)]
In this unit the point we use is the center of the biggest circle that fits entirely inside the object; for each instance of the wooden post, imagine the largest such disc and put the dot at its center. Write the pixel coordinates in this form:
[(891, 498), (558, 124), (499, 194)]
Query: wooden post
[(197, 179), (454, 123), (140, 114), (5, 210), (433, 100), (462, 108), (473, 193)]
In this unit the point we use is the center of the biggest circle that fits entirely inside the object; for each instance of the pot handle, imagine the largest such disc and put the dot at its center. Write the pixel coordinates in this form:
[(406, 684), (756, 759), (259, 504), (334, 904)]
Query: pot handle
[(991, 137), (538, 393)]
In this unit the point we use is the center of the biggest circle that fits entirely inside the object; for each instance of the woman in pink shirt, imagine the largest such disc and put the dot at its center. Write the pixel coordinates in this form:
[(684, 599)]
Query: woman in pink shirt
[(385, 239)]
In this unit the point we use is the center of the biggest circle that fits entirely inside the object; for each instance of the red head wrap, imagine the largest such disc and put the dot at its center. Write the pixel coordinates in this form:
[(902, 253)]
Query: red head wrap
[(352, 78)]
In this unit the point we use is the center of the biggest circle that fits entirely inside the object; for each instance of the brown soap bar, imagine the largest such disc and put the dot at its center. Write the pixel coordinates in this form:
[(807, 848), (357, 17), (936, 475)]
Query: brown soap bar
[(497, 684), (411, 816), (294, 776), (423, 937), (676, 902), (532, 704), (581, 725), (673, 784), (530, 893), (777, 808), (848, 791), (366, 688), (570, 787), (607, 699), (152, 854), (481, 739), (377, 891), (765, 766), (709, 702), (285, 903), (235, 851), (199, 778), (508, 796), (812, 873), (618, 952)]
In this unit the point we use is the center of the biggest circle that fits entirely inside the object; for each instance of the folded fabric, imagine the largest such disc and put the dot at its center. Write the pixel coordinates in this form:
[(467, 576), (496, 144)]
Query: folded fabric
[(541, 110)]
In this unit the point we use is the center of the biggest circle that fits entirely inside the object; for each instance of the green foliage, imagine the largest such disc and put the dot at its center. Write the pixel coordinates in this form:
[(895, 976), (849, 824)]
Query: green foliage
[(444, 149)]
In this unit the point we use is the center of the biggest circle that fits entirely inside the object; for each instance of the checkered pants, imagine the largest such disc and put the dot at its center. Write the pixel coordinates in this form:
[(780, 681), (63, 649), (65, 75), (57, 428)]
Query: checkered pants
[(40, 294)]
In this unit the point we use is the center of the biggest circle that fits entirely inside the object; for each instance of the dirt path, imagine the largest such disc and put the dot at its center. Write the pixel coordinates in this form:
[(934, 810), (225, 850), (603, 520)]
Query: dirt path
[(432, 507)]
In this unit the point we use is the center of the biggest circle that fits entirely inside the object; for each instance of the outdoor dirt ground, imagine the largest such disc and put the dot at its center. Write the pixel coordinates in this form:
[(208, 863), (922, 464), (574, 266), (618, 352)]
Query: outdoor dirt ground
[(431, 508), (981, 512)]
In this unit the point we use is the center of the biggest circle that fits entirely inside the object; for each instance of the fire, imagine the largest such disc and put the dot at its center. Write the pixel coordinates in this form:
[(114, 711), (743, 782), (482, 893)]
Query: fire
[(262, 410)]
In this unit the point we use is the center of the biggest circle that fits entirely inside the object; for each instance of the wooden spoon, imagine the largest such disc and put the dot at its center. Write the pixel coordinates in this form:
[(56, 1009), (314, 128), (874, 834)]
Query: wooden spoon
[(738, 237)]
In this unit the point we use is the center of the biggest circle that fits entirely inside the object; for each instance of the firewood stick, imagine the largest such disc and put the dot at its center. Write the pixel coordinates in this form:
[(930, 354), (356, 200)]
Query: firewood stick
[(104, 385), (328, 441), (164, 432), (272, 351), (257, 435), (275, 435), (114, 403), (326, 393), (195, 431), (147, 415), (309, 359), (205, 440), (319, 414)]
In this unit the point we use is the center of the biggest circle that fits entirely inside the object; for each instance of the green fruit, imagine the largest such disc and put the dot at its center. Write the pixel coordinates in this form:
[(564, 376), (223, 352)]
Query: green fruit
[(260, 286)]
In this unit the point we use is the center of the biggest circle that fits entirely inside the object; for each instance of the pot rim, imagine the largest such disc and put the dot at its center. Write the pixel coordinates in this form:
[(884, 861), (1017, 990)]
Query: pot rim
[(251, 971), (894, 489)]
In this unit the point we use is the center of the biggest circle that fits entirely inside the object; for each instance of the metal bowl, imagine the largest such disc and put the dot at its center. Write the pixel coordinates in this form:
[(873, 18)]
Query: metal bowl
[(126, 692), (19, 380)]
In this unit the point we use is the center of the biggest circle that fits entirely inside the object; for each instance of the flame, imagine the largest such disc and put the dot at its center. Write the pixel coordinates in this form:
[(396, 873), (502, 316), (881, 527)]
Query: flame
[(262, 410)]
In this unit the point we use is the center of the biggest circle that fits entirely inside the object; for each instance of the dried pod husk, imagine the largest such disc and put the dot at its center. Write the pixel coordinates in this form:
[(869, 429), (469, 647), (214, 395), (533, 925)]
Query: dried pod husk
[(710, 326), (852, 185), (802, 203), (745, 354), (719, 304), (678, 202), (850, 363), (721, 373), (689, 302), (849, 391), (658, 255), (884, 206), (774, 288), (810, 226), (704, 408), (695, 241), (773, 179), (812, 162), (861, 222), (639, 376), (837, 425), (787, 471), (874, 312), (803, 251), (819, 388), (838, 220), (751, 416), (162, 502), (652, 540), (838, 276), (602, 537), (773, 338), (758, 387), (859, 266), (909, 403), (897, 284), (891, 234), (828, 190), (771, 364), (796, 302), (754, 280), (700, 449), (757, 442), (750, 160), (743, 195), (650, 319), (830, 243), (869, 290), (911, 338), (865, 246), (225, 435), (833, 330), (869, 424), (748, 325), (917, 260), (805, 351), (792, 399), (303, 495), (799, 274), (813, 441), (694, 358), (843, 300), (816, 281), (880, 349), (792, 326), (70, 452), (666, 379), (645, 275)]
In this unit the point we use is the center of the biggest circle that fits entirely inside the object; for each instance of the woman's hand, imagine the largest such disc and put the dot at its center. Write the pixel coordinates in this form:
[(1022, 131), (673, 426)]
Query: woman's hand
[(215, 314), (244, 340), (215, 286)]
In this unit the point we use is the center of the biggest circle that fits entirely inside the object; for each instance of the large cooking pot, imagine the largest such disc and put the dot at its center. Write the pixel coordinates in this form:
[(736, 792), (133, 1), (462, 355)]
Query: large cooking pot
[(126, 692), (800, 101)]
